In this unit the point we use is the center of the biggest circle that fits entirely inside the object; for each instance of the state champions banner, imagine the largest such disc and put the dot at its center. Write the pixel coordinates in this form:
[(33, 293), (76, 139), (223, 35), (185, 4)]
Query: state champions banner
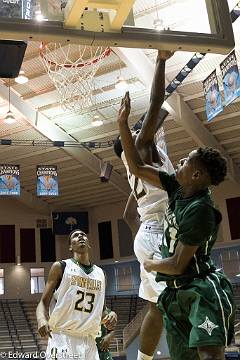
[(9, 179), (212, 96), (47, 180), (230, 77)]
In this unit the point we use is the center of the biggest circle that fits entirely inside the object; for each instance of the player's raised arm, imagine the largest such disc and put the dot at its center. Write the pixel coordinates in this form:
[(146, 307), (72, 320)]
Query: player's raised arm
[(42, 311), (130, 215), (135, 163), (152, 121)]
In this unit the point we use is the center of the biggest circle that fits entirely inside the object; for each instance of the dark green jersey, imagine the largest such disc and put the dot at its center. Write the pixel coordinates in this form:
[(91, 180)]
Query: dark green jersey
[(101, 334), (193, 221), (103, 355)]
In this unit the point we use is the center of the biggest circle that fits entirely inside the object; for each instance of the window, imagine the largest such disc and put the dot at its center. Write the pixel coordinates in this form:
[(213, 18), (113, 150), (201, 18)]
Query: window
[(1, 281), (124, 280), (27, 245), (37, 280), (47, 240), (125, 239), (233, 208), (7, 241), (105, 240)]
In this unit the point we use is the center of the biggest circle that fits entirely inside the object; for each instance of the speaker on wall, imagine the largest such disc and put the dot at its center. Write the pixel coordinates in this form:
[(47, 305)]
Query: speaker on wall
[(106, 170), (11, 57)]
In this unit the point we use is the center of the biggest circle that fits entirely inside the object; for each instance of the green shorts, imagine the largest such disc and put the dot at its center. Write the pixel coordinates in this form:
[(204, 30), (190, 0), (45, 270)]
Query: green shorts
[(198, 314), (104, 355)]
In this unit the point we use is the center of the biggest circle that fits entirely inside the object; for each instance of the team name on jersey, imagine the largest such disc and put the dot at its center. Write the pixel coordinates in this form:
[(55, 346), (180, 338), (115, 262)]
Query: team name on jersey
[(90, 284)]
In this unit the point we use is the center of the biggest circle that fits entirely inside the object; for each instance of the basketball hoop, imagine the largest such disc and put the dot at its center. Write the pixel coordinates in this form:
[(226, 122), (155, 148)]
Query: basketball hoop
[(160, 139), (72, 68)]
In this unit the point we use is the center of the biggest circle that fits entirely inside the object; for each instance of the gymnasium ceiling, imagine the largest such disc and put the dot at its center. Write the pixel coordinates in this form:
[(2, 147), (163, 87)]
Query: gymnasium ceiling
[(40, 117)]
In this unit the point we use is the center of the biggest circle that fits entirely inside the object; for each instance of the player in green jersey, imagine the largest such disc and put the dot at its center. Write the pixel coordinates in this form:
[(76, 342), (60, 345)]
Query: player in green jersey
[(106, 334), (103, 341), (197, 304)]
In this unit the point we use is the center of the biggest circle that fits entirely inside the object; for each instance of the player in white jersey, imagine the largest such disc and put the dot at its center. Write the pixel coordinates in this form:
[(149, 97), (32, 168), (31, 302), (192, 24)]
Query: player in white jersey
[(76, 291), (151, 204)]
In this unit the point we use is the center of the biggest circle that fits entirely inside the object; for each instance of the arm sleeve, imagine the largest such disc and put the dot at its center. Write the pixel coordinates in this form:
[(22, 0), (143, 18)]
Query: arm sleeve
[(169, 182), (197, 225)]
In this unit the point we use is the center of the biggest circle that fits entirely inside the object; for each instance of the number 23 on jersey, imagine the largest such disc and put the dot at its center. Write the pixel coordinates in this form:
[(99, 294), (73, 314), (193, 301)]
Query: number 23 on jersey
[(90, 297)]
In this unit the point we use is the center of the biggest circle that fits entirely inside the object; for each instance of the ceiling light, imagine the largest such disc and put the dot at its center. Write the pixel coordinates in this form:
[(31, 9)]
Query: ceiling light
[(121, 84), (96, 116), (9, 119), (38, 15), (97, 122), (18, 260), (22, 78), (158, 24)]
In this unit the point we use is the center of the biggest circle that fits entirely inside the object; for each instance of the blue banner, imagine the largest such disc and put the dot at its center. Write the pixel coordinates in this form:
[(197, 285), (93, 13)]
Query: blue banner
[(9, 179), (212, 96), (27, 9), (47, 180), (231, 78), (65, 222)]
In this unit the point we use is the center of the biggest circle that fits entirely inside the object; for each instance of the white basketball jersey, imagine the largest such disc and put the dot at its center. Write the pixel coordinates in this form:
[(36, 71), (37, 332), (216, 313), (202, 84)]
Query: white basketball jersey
[(79, 301), (151, 200)]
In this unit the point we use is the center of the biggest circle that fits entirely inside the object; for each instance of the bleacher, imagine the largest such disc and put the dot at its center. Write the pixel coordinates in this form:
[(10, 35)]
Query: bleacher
[(18, 325), (16, 333), (126, 308)]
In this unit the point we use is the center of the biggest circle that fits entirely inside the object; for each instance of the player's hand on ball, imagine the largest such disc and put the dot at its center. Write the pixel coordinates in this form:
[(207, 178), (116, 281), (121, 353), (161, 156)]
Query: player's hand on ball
[(43, 328), (110, 320), (105, 342), (125, 108), (165, 54), (148, 265)]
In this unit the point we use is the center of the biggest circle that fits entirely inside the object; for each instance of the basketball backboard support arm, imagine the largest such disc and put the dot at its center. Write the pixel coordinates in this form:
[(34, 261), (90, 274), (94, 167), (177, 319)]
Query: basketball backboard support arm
[(119, 11), (222, 41)]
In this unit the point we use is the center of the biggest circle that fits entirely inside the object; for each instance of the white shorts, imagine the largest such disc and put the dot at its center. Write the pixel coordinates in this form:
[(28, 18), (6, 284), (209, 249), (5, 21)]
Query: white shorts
[(62, 346), (147, 245)]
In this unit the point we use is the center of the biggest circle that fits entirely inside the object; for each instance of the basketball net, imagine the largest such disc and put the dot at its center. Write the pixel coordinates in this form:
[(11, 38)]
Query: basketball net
[(72, 68), (160, 139)]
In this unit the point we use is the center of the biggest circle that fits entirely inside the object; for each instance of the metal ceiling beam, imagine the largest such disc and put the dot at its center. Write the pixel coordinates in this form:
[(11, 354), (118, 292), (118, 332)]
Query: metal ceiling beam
[(180, 111), (53, 133)]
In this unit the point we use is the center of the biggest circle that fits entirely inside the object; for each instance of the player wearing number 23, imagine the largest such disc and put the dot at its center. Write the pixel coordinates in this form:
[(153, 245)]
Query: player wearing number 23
[(74, 299)]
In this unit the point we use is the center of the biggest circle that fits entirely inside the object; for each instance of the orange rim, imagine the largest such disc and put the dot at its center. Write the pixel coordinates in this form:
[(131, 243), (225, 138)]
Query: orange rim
[(104, 54)]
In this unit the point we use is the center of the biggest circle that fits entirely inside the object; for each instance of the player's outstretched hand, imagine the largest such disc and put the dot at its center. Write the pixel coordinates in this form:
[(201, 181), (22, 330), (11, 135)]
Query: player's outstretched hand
[(148, 265), (43, 328), (125, 108), (110, 320), (164, 54)]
